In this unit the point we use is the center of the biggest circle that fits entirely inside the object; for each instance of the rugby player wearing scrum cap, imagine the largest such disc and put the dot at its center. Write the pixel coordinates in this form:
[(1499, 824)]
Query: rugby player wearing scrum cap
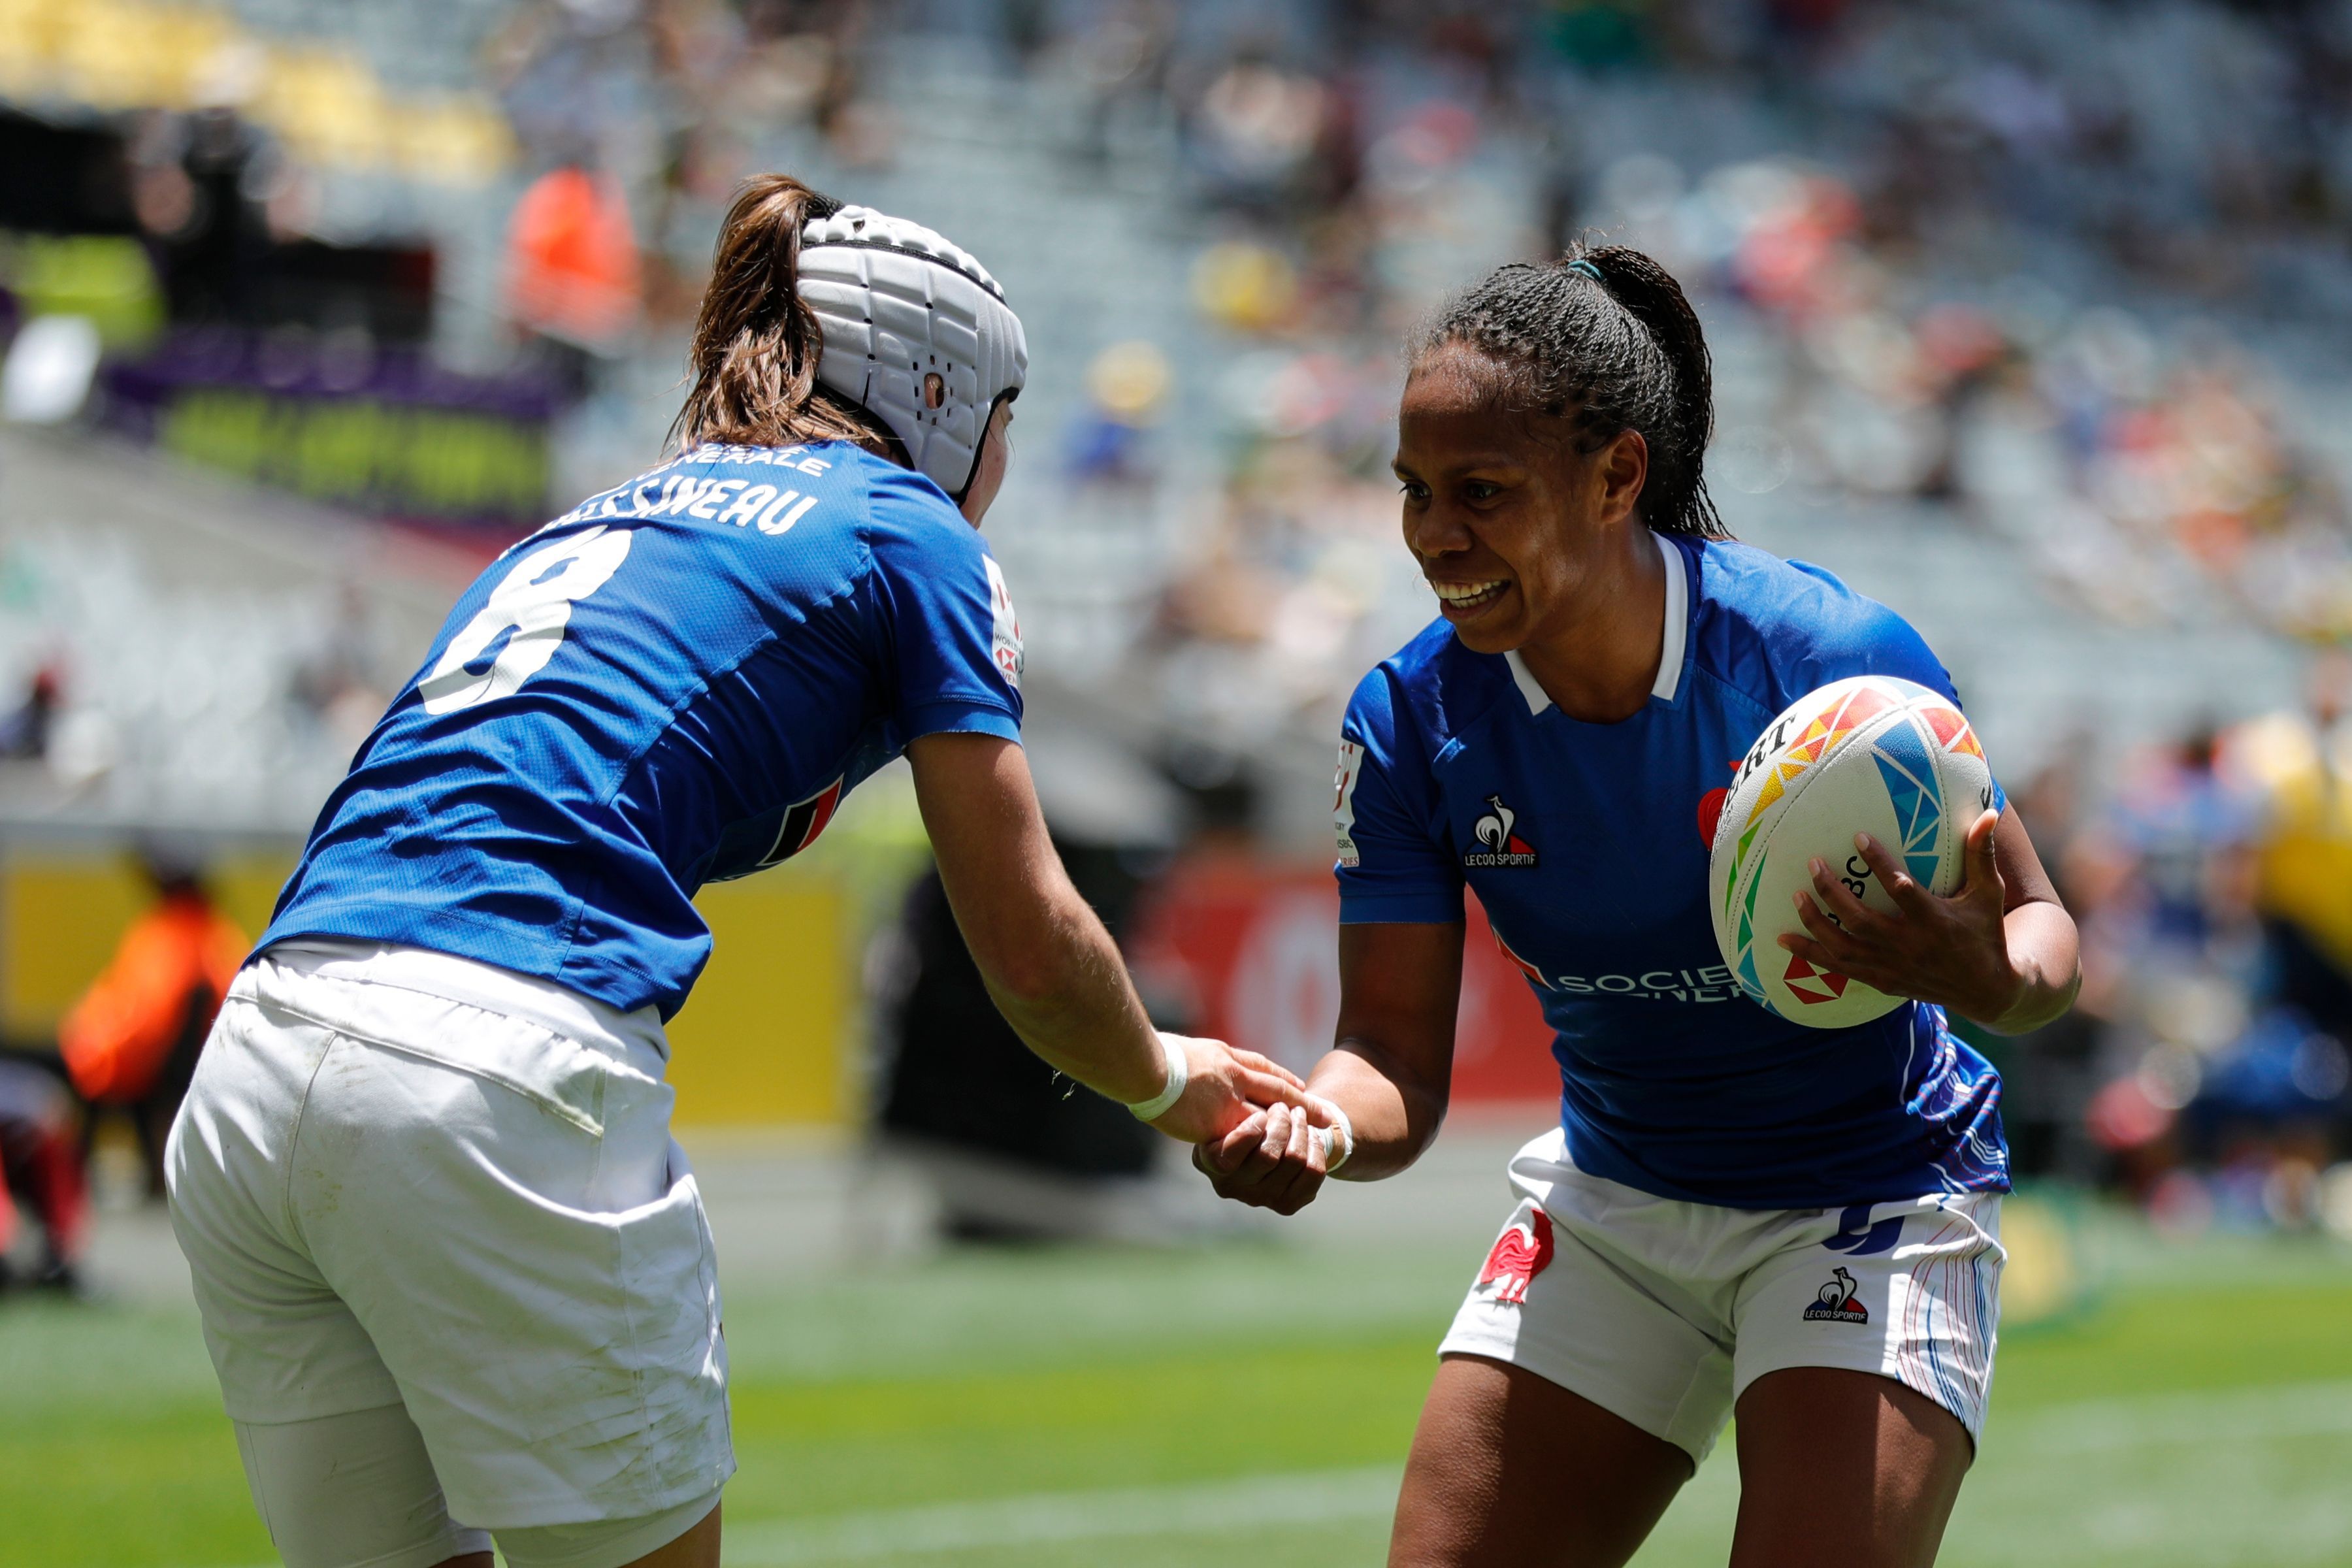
[(455, 1274)]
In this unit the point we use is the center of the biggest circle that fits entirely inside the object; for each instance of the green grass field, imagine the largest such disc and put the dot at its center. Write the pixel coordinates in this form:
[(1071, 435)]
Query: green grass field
[(1180, 1408)]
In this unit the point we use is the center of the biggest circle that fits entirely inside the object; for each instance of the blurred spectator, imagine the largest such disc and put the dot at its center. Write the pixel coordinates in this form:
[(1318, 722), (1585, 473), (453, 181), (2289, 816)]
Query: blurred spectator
[(571, 261), (132, 1042), (2214, 924), (1256, 131), (1123, 61), (1109, 443), (40, 1177), (25, 733), (2190, 827), (2302, 762)]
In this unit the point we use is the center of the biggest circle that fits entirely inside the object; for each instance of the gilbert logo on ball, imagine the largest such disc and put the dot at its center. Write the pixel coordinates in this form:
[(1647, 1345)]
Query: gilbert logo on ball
[(1870, 755)]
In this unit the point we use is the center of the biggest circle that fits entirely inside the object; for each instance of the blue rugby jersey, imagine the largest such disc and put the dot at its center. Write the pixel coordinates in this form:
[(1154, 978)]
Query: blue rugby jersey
[(1588, 846), (674, 682)]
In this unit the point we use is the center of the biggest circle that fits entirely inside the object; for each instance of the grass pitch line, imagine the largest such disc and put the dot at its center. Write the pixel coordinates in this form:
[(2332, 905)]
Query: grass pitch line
[(2157, 1420), (1321, 1497), (1214, 1508)]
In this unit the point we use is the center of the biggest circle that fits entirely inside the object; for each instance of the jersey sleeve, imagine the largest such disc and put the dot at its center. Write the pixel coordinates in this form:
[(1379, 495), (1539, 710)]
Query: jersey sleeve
[(954, 643), (1392, 869), (1865, 637)]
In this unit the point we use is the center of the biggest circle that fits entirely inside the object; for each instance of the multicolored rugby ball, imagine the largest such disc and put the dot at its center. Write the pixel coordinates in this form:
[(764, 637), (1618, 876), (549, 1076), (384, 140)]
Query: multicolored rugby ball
[(1870, 755)]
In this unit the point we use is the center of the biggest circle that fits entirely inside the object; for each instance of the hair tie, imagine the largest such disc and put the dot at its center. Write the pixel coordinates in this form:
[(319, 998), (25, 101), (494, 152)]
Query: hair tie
[(1582, 265)]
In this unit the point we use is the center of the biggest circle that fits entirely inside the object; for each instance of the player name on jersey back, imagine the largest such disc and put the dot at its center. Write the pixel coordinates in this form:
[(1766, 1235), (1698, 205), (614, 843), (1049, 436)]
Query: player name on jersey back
[(667, 491), (676, 682)]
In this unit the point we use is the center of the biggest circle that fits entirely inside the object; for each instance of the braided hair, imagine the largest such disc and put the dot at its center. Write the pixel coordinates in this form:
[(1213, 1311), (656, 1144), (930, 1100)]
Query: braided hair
[(1605, 338)]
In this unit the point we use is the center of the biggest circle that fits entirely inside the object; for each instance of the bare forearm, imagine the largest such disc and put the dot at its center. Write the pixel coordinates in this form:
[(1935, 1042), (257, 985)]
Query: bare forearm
[(1392, 1116), (1071, 1003), (1050, 966), (2045, 953)]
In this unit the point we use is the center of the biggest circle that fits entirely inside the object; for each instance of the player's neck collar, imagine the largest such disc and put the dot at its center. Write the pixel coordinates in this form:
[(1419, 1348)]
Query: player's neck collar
[(1670, 654)]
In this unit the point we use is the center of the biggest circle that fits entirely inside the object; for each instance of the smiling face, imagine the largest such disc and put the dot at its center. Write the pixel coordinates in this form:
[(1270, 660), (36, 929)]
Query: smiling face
[(1511, 524)]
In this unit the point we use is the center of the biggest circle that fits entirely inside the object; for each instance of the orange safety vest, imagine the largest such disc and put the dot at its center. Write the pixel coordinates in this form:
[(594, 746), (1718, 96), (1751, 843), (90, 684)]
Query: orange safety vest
[(119, 1035)]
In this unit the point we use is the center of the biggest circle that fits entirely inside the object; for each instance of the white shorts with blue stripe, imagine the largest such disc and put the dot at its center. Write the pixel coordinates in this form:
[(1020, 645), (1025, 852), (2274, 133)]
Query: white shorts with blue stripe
[(1663, 1312)]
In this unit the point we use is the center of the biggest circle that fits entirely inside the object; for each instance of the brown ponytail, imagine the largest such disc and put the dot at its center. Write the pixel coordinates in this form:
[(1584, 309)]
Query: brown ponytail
[(756, 343)]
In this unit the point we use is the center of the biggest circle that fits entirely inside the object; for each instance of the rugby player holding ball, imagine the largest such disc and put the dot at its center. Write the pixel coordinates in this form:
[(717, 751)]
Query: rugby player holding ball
[(1736, 1212)]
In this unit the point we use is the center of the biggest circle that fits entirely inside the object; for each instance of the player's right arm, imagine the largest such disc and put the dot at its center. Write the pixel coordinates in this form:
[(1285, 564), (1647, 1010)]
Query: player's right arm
[(948, 635), (1049, 963), (1400, 975), (1400, 986)]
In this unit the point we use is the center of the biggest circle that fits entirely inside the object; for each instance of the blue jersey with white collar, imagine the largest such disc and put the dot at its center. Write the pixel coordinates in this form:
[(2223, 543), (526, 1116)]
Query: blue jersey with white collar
[(673, 683), (1588, 847)]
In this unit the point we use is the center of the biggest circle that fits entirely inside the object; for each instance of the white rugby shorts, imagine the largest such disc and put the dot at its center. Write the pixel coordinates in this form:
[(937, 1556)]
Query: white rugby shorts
[(401, 1178), (1662, 1312)]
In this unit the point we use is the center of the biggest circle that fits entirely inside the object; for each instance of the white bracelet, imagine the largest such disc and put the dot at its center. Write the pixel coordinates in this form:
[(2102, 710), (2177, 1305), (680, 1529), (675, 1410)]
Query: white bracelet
[(1338, 1139), (1180, 1073)]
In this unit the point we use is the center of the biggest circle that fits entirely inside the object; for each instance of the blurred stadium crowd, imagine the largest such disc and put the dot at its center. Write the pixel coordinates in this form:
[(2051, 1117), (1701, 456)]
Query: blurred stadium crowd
[(2027, 313)]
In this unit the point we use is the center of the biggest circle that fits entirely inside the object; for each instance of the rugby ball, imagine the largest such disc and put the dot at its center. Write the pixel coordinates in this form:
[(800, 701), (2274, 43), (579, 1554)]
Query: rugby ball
[(1870, 755)]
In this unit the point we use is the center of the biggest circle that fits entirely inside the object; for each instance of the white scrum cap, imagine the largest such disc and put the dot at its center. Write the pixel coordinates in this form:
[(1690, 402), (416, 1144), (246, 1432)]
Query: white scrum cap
[(916, 332)]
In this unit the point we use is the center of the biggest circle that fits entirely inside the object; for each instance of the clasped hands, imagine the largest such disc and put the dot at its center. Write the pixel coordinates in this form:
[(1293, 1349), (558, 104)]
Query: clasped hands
[(1258, 1134), (1228, 1089), (1276, 1159)]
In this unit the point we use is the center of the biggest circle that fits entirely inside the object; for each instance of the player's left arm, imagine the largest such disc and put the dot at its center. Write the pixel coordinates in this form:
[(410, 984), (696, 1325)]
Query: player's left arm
[(2001, 951)]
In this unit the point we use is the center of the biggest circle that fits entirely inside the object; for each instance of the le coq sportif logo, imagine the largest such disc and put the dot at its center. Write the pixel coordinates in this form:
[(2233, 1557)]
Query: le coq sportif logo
[(1498, 841)]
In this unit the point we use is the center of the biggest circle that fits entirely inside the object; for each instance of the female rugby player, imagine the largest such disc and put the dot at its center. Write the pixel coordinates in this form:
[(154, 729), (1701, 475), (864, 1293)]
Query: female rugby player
[(455, 1276), (1736, 1212)]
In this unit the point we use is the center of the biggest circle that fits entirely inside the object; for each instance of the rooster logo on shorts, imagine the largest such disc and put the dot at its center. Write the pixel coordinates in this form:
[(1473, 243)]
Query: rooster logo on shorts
[(1519, 1255), (1837, 1302)]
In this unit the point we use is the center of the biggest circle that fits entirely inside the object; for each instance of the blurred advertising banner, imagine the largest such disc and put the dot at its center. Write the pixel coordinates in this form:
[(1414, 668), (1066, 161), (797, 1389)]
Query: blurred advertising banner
[(381, 430), (1253, 954)]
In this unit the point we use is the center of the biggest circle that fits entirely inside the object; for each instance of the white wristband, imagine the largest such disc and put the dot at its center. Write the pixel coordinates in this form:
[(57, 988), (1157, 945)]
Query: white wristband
[(1180, 1073), (1338, 1139)]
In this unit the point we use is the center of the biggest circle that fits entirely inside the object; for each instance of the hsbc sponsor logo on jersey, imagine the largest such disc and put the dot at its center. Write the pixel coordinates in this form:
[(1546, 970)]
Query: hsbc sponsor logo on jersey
[(1500, 845), (1005, 637), (1343, 802)]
